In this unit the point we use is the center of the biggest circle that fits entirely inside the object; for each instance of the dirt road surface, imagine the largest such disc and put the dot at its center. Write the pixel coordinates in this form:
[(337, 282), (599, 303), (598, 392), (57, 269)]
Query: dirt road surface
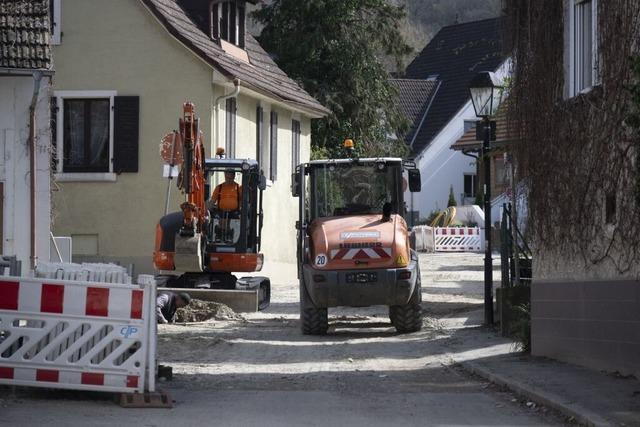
[(261, 371)]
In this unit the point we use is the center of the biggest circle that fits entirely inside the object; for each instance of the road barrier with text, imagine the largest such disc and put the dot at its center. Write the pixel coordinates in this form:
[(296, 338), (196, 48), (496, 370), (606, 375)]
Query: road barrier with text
[(77, 335)]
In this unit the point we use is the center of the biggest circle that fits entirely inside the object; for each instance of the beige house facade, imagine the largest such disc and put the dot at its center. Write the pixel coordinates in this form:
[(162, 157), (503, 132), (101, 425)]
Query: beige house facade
[(124, 68)]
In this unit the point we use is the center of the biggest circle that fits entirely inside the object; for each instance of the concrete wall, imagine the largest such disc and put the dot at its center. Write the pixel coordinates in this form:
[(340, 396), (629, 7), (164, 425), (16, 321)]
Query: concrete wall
[(119, 46), (590, 323), (15, 99)]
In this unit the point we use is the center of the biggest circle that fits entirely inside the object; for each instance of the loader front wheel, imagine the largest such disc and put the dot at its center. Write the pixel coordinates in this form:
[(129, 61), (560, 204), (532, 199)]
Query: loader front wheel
[(408, 318), (313, 320)]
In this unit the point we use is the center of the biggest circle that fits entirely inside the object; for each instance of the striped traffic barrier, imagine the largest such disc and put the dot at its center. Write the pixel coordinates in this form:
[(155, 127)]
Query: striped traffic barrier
[(77, 335)]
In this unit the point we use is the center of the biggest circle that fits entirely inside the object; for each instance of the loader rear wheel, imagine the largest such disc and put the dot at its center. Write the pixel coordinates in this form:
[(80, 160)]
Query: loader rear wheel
[(313, 320), (408, 318)]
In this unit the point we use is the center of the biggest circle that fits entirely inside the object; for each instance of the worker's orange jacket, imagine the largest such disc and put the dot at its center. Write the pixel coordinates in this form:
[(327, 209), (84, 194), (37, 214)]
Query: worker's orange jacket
[(227, 196)]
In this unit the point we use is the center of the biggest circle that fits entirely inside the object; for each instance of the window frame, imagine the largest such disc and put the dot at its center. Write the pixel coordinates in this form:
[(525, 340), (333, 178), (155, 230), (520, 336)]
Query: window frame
[(574, 89), (474, 185), (60, 96), (228, 21), (273, 145), (296, 136)]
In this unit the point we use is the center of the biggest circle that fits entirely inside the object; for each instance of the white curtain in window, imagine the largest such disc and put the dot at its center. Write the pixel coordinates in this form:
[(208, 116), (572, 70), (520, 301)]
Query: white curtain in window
[(74, 130), (99, 141)]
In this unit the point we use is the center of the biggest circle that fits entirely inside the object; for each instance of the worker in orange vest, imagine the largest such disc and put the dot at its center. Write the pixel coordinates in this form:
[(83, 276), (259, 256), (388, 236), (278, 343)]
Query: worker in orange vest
[(226, 197)]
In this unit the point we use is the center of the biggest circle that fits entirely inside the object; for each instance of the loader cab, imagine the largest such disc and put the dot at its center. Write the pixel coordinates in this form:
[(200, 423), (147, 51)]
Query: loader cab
[(343, 187)]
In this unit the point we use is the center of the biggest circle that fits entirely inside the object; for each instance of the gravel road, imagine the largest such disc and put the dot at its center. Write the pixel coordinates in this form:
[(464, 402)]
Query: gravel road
[(261, 371)]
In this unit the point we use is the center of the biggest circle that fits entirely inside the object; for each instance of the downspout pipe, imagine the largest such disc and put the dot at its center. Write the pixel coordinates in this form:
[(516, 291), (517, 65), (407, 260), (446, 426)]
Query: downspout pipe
[(37, 78)]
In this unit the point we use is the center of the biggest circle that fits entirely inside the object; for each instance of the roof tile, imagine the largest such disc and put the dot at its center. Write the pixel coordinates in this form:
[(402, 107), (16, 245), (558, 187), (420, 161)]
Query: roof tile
[(261, 73), (453, 57), (24, 34)]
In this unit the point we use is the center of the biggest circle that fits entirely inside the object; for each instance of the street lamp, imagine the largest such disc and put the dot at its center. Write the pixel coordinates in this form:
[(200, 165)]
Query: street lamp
[(486, 94)]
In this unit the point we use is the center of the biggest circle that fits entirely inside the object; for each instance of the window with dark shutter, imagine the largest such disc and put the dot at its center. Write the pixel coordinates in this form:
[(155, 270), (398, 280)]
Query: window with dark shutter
[(295, 144), (126, 133), (260, 137), (53, 125), (273, 157), (227, 21), (230, 133), (86, 135)]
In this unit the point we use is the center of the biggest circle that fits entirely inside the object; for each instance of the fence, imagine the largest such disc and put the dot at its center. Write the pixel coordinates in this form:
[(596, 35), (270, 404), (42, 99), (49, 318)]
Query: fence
[(448, 239), (77, 335), (458, 239)]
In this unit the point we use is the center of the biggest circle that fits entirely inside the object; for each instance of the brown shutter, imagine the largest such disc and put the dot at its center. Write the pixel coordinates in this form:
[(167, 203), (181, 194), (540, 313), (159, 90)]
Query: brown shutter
[(53, 123), (126, 133), (274, 146), (259, 136)]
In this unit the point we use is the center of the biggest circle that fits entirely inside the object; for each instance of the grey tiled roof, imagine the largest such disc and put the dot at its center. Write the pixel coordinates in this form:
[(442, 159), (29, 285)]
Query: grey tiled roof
[(454, 56), (24, 34), (261, 74), (414, 98)]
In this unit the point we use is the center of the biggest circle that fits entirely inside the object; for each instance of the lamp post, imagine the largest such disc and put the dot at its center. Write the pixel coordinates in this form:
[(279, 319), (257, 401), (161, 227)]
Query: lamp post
[(486, 94)]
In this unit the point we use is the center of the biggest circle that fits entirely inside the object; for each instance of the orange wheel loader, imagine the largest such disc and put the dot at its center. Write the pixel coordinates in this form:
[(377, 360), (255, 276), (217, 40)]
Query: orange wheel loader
[(353, 242)]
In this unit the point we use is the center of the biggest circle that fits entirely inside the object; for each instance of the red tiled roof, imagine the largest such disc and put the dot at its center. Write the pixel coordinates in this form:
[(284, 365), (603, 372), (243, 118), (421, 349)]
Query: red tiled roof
[(261, 74), (504, 135), (24, 34)]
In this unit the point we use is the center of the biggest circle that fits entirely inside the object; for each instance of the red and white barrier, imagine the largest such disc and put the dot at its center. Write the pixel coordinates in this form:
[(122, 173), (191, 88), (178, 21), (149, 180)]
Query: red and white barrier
[(458, 239), (77, 335)]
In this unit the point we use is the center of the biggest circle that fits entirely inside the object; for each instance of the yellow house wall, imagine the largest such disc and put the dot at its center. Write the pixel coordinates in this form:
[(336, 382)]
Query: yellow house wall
[(118, 45)]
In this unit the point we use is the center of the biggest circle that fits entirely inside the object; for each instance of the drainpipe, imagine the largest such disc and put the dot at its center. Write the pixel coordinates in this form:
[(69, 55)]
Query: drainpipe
[(37, 77), (234, 94)]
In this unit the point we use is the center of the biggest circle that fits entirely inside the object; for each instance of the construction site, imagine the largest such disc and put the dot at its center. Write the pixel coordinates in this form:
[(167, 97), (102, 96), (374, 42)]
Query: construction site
[(320, 212)]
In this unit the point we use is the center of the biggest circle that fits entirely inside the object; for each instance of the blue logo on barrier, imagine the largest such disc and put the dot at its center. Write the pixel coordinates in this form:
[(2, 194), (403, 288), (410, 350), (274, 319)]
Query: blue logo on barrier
[(127, 331)]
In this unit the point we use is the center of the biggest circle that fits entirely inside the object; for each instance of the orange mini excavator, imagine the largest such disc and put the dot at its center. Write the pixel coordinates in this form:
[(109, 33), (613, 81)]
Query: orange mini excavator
[(201, 246)]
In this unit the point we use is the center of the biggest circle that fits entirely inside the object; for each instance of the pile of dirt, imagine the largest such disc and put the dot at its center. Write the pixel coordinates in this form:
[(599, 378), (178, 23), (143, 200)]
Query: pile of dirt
[(199, 311)]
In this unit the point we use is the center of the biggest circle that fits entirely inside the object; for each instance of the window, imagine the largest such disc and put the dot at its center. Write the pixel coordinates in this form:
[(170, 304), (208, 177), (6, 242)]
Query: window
[(583, 46), (470, 124), (228, 21), (295, 144), (55, 20), (230, 128), (470, 185), (87, 133), (95, 134), (273, 157), (260, 154)]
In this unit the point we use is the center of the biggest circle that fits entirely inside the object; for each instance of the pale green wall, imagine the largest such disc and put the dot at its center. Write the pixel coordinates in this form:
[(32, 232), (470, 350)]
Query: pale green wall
[(118, 45)]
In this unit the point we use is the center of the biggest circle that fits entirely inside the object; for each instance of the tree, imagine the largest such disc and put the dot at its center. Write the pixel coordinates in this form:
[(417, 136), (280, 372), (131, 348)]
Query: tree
[(334, 49), (452, 198)]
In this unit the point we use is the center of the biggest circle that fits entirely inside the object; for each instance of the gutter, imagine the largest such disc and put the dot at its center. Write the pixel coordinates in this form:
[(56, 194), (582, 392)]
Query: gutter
[(17, 72), (37, 78)]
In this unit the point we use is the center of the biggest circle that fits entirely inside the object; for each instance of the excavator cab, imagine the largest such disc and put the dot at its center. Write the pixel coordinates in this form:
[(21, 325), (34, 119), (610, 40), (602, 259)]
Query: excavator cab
[(209, 239), (236, 229)]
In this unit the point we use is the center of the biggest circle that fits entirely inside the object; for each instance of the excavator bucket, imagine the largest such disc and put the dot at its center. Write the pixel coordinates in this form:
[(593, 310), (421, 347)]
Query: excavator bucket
[(188, 253)]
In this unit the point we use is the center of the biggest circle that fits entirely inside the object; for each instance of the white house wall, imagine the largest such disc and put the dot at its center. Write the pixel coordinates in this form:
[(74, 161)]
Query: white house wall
[(15, 99), (441, 167)]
